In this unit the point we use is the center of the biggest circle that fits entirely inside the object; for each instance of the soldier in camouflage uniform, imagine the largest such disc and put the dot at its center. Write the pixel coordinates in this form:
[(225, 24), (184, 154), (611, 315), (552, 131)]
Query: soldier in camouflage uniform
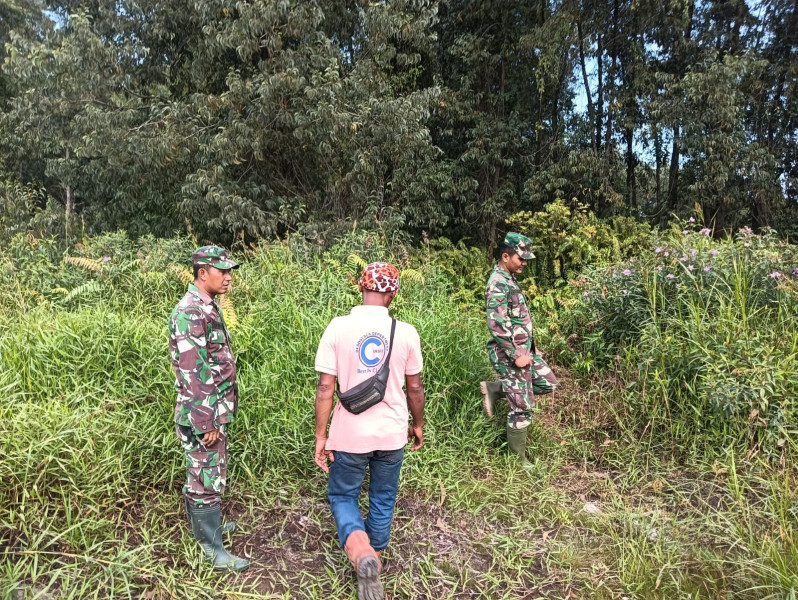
[(207, 399), (511, 349)]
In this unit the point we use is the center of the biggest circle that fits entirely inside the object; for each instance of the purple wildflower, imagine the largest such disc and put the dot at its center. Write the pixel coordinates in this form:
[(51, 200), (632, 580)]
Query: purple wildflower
[(659, 268), (667, 254), (586, 294), (691, 220), (670, 276), (106, 258), (624, 292), (705, 231), (693, 251), (683, 258), (685, 232), (690, 268), (657, 250), (795, 271), (775, 275), (707, 268), (627, 272), (713, 252)]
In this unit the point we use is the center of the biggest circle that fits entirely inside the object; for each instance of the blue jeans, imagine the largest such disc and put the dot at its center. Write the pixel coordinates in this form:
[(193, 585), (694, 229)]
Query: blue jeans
[(347, 473)]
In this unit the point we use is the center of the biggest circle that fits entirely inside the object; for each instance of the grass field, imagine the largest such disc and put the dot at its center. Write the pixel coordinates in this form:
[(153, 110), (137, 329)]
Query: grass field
[(91, 471)]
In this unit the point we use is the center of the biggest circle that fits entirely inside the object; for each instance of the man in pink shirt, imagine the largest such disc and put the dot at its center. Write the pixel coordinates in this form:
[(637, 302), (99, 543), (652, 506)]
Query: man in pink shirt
[(353, 349)]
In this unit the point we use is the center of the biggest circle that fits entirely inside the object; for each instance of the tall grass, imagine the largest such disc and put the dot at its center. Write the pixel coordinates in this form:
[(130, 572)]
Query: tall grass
[(86, 422), (705, 335), (91, 471)]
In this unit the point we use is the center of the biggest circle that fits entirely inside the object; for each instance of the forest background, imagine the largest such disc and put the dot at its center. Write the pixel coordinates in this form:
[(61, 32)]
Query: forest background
[(648, 148), (241, 120)]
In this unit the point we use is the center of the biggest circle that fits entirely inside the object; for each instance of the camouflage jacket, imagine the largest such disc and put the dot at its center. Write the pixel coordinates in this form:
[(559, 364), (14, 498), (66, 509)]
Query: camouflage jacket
[(205, 368), (509, 322)]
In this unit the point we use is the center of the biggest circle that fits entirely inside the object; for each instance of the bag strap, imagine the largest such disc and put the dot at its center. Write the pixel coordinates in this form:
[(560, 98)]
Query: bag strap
[(390, 343)]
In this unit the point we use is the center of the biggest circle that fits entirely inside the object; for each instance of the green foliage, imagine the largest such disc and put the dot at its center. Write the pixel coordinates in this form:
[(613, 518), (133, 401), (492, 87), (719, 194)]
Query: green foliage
[(95, 363), (19, 205), (705, 334), (91, 469), (569, 238), (248, 121)]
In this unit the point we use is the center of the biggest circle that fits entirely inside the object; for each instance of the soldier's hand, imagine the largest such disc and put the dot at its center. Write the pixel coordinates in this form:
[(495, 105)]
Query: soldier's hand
[(415, 434), (523, 361), (210, 438), (321, 455)]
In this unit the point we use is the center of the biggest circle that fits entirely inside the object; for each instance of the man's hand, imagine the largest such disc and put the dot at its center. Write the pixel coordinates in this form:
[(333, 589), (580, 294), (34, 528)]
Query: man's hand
[(321, 455), (523, 361), (210, 438), (415, 434)]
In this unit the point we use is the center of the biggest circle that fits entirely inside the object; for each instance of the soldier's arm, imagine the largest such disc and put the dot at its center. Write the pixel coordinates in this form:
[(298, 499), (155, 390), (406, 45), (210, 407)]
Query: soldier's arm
[(194, 369), (499, 323)]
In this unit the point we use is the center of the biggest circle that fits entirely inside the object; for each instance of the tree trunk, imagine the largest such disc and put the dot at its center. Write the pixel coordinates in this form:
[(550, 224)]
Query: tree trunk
[(720, 217), (591, 115), (612, 76), (69, 206), (673, 174), (599, 92), (658, 161), (631, 183)]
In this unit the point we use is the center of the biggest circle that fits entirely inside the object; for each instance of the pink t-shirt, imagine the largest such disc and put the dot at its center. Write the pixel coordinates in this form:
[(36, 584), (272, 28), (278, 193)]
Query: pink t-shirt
[(353, 349)]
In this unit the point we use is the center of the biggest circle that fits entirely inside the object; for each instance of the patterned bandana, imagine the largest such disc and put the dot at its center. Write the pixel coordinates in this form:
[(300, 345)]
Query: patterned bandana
[(380, 277)]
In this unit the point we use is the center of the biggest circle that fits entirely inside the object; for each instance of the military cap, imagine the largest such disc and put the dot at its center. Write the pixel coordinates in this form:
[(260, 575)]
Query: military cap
[(213, 256), (520, 243)]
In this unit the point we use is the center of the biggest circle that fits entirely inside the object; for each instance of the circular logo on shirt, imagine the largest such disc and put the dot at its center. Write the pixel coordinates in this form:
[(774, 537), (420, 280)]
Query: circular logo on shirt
[(371, 349)]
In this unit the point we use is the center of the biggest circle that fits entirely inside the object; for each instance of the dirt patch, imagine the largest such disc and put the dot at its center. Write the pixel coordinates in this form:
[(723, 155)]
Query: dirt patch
[(438, 552)]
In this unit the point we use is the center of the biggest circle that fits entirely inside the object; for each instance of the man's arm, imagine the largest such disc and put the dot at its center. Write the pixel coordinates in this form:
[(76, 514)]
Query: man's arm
[(324, 402), (499, 323), (415, 402), (195, 372), (501, 326)]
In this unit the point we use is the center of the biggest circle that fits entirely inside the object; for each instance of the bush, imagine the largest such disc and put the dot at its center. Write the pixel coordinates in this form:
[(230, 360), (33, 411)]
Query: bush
[(705, 332), (569, 238)]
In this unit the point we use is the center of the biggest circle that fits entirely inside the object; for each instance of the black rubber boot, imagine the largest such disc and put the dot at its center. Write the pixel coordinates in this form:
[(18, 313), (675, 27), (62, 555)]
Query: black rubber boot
[(206, 525)]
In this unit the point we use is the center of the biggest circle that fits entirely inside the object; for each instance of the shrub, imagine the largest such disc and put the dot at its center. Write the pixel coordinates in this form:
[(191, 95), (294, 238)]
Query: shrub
[(706, 332)]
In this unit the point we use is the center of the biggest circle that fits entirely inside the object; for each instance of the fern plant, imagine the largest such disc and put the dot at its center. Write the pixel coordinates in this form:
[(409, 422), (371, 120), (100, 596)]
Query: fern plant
[(185, 275), (95, 266), (229, 311), (87, 289)]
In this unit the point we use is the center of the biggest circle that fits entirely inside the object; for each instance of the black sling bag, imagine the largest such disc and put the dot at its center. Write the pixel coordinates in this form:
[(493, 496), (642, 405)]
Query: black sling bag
[(372, 391)]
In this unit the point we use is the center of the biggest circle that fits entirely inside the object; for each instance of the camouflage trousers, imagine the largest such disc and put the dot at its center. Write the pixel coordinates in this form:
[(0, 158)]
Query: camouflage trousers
[(206, 467), (522, 385)]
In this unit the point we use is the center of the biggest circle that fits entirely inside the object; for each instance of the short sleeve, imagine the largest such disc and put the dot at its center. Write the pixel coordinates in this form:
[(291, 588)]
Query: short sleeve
[(325, 355), (414, 362)]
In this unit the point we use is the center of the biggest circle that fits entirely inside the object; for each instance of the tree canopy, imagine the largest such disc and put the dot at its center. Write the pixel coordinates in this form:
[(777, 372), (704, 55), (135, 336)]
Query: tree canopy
[(244, 119)]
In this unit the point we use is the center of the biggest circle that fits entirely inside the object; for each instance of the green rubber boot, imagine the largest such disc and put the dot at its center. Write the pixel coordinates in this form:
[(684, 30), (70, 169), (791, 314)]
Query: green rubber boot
[(206, 525), (228, 527), (491, 392), (516, 440)]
